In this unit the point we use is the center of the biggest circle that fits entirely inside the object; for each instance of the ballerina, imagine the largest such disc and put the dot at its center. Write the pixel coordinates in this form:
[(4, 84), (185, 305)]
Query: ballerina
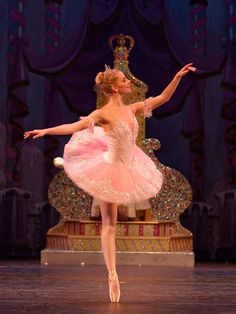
[(105, 161)]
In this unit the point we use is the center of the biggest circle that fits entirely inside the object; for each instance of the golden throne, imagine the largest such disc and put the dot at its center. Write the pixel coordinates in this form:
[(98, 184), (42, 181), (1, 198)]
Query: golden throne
[(155, 238)]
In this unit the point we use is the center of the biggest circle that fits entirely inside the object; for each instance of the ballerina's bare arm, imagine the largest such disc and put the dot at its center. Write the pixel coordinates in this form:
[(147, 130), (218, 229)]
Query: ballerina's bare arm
[(66, 129), (157, 101)]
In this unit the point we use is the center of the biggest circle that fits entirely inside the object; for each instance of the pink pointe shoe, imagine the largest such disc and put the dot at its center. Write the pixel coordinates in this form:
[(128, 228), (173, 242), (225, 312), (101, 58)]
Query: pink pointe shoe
[(114, 286)]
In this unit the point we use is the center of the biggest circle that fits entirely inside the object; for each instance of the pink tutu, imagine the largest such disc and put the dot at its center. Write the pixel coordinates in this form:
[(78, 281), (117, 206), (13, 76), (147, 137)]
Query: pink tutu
[(110, 166)]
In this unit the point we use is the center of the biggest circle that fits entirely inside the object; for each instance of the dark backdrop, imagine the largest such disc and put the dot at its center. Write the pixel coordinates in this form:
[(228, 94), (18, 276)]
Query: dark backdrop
[(50, 53)]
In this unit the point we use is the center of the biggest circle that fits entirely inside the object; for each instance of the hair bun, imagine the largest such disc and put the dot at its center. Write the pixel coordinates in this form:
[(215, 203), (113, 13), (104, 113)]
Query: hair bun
[(99, 78)]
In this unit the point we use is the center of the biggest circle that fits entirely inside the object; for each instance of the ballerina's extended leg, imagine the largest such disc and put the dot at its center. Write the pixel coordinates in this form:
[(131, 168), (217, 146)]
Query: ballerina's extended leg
[(109, 219)]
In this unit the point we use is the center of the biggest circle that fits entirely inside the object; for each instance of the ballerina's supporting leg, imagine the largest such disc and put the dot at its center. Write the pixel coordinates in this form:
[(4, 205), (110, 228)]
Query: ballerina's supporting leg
[(109, 219)]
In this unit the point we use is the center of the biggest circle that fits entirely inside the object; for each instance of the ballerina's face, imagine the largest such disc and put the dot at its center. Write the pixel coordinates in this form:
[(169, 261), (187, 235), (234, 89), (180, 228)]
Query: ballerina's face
[(123, 84)]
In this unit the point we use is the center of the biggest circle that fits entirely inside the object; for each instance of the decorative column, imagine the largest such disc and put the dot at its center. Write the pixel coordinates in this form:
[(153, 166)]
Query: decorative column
[(16, 104), (194, 126), (2, 156), (52, 112), (229, 99)]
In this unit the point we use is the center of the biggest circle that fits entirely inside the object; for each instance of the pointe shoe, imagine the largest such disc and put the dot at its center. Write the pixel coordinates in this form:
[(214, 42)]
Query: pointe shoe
[(114, 286)]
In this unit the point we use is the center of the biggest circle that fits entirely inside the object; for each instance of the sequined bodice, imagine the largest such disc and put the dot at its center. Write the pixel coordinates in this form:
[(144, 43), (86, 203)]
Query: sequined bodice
[(121, 141)]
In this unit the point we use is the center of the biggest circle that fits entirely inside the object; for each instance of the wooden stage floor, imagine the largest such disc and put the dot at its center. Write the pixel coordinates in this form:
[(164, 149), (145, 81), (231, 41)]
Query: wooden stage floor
[(27, 287)]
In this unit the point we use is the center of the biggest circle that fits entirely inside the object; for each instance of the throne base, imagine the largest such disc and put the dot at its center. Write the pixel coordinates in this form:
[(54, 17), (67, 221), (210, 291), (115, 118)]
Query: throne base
[(82, 258), (163, 243)]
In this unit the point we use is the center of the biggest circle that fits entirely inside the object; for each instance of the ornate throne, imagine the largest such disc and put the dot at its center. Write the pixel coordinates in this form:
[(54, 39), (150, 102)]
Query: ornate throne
[(154, 238)]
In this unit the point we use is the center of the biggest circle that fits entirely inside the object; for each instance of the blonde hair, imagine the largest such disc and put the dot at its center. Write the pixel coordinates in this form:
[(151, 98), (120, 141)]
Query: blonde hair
[(106, 79)]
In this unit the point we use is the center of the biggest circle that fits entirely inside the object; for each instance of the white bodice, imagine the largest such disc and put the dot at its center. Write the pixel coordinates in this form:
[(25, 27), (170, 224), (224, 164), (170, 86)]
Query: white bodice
[(121, 141)]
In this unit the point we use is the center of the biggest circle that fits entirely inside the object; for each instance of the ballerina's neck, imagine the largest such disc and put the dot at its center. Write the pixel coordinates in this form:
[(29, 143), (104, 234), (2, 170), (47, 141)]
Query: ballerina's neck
[(115, 100)]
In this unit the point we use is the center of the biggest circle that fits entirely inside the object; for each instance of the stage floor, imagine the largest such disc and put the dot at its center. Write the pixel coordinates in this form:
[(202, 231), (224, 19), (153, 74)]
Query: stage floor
[(28, 287)]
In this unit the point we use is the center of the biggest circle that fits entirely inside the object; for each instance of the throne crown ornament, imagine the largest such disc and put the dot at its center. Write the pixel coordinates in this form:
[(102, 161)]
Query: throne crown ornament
[(121, 46), (124, 44)]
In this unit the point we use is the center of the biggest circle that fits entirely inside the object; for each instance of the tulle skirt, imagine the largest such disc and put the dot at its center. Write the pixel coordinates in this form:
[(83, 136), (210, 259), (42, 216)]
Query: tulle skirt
[(86, 165)]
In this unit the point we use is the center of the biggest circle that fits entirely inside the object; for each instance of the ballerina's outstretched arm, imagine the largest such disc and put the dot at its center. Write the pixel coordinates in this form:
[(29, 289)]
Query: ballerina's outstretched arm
[(154, 102), (66, 129)]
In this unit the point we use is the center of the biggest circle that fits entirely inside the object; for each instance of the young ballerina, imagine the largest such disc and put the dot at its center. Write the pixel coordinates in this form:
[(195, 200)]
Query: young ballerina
[(105, 161)]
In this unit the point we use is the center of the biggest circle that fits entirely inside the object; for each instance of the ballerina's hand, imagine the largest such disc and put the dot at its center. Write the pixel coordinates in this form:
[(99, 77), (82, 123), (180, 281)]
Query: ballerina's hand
[(34, 134), (186, 69)]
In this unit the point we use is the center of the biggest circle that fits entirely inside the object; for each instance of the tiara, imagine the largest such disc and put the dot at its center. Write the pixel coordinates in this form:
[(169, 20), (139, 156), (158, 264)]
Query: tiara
[(109, 70), (107, 67)]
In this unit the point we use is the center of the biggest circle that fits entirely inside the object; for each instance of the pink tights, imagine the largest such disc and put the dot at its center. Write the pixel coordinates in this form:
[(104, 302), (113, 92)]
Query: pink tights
[(109, 219)]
